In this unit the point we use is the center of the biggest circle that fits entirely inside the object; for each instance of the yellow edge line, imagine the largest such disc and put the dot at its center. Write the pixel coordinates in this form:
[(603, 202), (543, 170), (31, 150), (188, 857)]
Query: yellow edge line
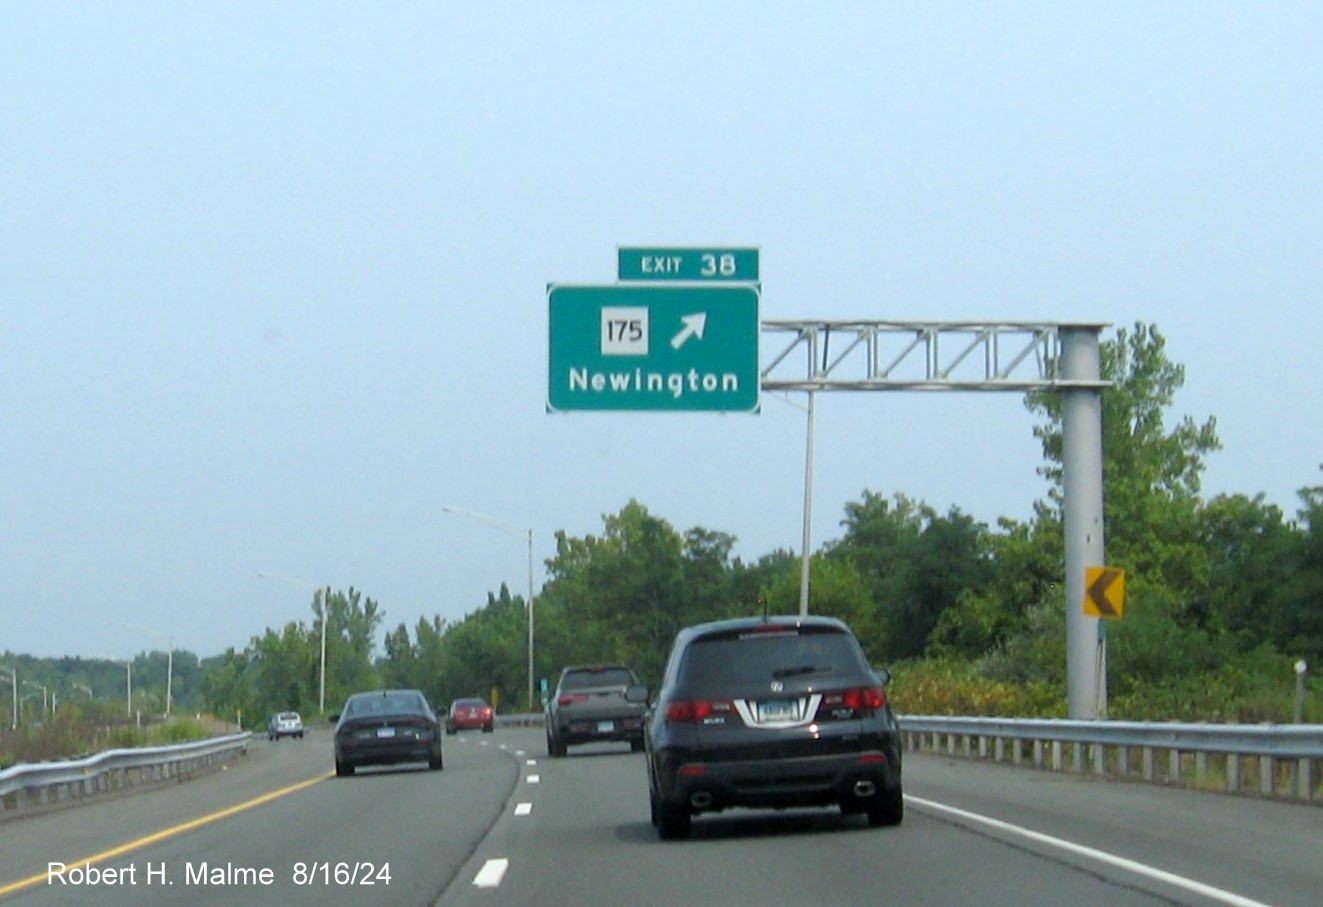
[(163, 834)]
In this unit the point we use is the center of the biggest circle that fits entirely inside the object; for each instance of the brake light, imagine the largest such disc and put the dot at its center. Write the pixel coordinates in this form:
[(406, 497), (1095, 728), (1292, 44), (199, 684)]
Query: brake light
[(694, 711), (570, 699), (860, 699)]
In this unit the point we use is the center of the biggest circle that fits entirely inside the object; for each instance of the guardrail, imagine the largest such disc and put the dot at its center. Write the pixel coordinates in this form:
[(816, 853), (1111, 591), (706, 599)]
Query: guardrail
[(47, 784), (1267, 760)]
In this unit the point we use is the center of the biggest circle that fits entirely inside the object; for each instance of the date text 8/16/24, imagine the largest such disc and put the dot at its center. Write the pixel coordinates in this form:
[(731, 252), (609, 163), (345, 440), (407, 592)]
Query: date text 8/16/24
[(341, 874)]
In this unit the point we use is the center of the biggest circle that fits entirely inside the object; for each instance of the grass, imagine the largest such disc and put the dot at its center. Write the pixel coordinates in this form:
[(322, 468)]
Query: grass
[(72, 734)]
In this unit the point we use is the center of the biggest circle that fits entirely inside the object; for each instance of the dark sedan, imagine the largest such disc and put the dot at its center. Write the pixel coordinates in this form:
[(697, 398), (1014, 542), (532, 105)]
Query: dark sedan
[(386, 727)]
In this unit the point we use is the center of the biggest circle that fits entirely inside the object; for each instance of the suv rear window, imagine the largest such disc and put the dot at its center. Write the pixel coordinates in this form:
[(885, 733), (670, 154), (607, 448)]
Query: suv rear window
[(769, 654), (606, 677)]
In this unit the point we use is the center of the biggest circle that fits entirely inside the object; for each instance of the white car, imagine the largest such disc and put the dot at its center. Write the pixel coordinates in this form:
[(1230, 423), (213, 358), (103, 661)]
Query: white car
[(285, 724)]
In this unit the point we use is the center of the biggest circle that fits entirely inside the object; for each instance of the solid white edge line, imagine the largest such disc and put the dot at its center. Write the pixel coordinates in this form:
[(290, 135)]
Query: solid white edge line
[(491, 873), (1140, 869)]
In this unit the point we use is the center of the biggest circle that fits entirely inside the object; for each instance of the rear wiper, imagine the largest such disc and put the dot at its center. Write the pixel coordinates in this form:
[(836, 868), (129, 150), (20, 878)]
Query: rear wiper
[(793, 672)]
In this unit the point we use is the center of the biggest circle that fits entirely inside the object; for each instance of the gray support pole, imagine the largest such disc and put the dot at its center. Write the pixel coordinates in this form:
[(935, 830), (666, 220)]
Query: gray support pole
[(1081, 426), (806, 555), (531, 701)]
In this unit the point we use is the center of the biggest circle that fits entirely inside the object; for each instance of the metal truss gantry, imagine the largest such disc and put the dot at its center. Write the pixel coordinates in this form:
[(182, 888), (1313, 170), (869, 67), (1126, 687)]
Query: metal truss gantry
[(918, 355), (813, 356)]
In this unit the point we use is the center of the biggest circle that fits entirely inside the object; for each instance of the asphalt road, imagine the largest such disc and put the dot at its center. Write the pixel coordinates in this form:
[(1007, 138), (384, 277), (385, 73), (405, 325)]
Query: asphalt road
[(503, 825)]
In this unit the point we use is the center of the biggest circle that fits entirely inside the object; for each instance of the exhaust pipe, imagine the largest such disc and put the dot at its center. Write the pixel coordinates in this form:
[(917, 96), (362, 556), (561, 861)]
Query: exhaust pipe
[(700, 800), (864, 789)]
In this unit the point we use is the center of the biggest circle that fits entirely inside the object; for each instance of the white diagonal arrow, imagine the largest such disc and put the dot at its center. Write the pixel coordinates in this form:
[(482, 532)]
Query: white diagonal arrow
[(693, 327)]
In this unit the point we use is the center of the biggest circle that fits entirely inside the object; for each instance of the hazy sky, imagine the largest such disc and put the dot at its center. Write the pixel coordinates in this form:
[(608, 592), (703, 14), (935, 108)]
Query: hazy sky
[(273, 277)]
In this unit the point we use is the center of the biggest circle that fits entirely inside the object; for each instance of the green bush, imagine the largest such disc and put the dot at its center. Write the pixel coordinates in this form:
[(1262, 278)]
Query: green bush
[(178, 730), (952, 687), (127, 737), (1254, 688)]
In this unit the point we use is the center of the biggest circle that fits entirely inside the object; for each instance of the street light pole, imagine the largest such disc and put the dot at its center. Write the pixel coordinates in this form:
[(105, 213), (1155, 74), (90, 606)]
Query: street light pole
[(530, 618), (169, 663), (128, 687), (320, 601), (806, 555), (515, 532), (321, 681), (13, 681), (169, 673), (45, 696)]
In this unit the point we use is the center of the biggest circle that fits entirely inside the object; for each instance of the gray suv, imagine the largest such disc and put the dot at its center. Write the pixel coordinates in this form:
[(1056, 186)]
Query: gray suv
[(594, 703), (771, 712)]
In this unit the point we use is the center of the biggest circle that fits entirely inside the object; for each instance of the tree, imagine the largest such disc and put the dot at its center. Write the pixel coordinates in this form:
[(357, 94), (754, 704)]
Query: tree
[(1024, 571), (1247, 544), (226, 687), (1153, 513), (1298, 625), (433, 663), (623, 595), (399, 668), (837, 589), (284, 670), (487, 650), (709, 576), (1151, 476), (916, 565), (351, 632), (637, 599)]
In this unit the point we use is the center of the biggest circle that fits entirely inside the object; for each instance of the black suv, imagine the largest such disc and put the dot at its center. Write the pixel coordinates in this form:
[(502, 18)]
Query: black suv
[(594, 703), (771, 712)]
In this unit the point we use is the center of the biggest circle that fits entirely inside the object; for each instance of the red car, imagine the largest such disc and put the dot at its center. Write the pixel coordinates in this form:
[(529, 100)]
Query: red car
[(470, 714)]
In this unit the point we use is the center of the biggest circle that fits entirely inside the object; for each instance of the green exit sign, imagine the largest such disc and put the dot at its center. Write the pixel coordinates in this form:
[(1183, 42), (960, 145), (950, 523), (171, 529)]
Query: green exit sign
[(641, 347), (696, 265)]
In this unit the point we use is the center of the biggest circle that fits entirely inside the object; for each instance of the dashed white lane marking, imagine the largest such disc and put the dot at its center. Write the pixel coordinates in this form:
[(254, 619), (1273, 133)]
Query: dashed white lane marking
[(531, 762), (1102, 856), (491, 873), (523, 809), (534, 779)]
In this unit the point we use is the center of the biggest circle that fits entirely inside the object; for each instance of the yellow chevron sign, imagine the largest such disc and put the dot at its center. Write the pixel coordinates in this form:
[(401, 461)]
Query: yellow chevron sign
[(1104, 592)]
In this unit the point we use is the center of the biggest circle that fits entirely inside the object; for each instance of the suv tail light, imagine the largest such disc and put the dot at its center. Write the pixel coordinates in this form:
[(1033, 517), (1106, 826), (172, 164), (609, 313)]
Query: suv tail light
[(570, 699), (694, 711), (859, 699)]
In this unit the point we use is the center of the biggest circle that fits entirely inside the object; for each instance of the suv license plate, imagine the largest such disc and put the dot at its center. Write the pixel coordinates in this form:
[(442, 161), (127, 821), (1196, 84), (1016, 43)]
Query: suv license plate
[(385, 732), (777, 710), (605, 727)]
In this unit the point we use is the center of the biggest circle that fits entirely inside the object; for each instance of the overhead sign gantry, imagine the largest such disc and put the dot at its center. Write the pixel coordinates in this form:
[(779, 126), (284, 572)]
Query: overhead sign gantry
[(681, 332)]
